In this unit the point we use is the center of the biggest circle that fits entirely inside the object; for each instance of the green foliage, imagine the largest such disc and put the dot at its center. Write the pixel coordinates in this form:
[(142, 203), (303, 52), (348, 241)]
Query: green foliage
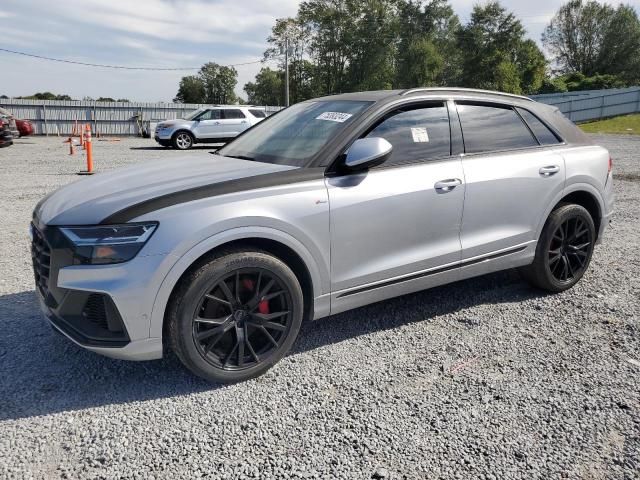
[(105, 99), (349, 45), (578, 81), (495, 54), (267, 89), (46, 96), (213, 84), (191, 90), (553, 85), (594, 38)]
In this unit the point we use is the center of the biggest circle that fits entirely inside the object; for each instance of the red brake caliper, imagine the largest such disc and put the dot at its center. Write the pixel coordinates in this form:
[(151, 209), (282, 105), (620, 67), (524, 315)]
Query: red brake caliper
[(263, 306)]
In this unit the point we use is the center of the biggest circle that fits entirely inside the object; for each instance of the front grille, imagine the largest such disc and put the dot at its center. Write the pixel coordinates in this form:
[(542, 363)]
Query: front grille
[(94, 311), (41, 258)]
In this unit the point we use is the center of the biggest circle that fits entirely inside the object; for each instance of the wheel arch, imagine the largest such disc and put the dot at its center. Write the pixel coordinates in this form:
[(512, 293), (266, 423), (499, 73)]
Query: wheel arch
[(581, 194), (184, 130), (278, 244)]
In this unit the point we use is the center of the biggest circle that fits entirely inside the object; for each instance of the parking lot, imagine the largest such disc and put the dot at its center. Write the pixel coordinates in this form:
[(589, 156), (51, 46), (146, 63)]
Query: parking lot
[(485, 378)]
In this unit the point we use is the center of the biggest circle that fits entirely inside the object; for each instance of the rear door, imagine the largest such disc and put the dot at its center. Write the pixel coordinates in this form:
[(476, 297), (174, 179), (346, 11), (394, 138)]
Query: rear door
[(399, 218), (234, 122), (208, 124), (511, 176)]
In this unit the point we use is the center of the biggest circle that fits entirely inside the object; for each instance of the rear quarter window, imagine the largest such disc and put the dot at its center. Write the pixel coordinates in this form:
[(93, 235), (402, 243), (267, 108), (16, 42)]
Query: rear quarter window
[(257, 113), (544, 135), (487, 128)]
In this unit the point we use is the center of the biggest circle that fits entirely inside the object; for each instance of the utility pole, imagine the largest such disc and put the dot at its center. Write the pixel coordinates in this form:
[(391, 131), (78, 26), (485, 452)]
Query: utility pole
[(286, 71)]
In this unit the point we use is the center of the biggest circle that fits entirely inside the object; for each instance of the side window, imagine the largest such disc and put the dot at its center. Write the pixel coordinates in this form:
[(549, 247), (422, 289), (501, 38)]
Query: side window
[(258, 113), (210, 115), (232, 113), (489, 128), (416, 135), (539, 129)]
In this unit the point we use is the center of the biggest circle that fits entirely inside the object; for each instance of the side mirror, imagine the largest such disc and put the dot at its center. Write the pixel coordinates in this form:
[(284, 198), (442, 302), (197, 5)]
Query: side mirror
[(365, 153)]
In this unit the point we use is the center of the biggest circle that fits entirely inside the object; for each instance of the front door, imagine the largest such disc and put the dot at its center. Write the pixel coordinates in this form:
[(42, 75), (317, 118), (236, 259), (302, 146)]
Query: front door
[(401, 219), (209, 124)]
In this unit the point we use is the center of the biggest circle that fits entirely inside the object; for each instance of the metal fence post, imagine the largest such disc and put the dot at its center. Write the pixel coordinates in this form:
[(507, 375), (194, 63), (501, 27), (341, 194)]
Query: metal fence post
[(602, 106), (638, 105), (44, 116)]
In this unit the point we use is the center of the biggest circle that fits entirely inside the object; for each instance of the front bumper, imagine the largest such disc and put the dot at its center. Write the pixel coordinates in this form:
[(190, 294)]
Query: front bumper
[(103, 308), (164, 134)]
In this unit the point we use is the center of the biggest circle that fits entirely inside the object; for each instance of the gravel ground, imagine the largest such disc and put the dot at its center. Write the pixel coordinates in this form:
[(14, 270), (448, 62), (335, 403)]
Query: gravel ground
[(485, 378)]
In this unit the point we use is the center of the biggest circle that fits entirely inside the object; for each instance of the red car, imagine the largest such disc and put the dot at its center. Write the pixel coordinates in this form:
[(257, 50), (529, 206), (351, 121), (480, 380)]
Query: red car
[(25, 127)]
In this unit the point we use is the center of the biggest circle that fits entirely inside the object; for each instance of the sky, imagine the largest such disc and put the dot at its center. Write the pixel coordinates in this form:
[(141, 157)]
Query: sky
[(157, 33)]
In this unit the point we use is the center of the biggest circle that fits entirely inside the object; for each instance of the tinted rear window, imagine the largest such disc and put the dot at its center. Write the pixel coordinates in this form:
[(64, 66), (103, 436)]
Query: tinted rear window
[(539, 129), (258, 113), (232, 113), (490, 128)]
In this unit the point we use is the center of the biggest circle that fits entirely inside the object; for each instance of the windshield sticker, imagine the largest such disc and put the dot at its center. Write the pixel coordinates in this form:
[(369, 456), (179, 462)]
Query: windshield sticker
[(419, 135), (334, 116)]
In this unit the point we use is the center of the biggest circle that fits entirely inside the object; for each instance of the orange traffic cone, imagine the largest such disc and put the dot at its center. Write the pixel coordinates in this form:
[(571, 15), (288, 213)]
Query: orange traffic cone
[(87, 143)]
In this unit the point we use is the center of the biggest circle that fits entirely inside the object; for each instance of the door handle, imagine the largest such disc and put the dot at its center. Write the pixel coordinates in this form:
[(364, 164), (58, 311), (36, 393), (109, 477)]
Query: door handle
[(216, 123), (447, 185), (549, 170), (243, 121)]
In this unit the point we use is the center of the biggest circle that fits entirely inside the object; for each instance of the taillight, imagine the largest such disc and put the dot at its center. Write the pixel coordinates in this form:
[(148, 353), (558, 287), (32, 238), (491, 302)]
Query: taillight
[(610, 164)]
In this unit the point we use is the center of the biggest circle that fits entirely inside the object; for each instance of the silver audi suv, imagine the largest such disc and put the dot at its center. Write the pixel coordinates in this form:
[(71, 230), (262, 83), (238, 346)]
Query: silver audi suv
[(328, 205)]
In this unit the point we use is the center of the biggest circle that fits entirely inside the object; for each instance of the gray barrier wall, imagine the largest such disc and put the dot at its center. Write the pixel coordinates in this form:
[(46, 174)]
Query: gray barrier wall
[(53, 117), (594, 104)]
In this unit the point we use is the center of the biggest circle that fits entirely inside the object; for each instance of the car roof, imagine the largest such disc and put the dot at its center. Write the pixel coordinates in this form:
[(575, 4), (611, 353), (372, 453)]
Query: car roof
[(388, 95)]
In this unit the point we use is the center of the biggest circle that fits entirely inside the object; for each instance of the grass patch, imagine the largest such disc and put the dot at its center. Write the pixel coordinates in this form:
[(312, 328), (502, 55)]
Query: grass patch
[(626, 124)]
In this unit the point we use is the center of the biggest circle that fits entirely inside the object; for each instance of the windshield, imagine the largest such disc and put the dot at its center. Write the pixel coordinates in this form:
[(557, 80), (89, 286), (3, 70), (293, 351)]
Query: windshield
[(192, 115), (295, 135)]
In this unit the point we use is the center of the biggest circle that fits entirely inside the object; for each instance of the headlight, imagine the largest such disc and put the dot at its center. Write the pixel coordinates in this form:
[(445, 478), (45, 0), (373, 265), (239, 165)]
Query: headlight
[(105, 244)]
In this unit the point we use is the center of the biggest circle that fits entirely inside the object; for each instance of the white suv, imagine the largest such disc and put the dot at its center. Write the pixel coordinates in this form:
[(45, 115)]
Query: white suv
[(215, 124)]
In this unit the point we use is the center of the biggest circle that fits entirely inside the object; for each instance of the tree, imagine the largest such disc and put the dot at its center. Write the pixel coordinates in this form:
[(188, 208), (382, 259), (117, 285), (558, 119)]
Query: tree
[(190, 90), (4, 97), (213, 84), (219, 83), (267, 88), (593, 38), (105, 99), (124, 100), (427, 53), (495, 54)]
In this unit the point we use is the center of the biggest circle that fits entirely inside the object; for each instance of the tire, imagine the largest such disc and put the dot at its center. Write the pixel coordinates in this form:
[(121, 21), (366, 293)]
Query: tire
[(564, 249), (182, 140), (209, 335)]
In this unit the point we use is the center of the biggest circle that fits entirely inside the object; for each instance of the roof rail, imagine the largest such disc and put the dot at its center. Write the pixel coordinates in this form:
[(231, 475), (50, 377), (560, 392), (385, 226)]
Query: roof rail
[(461, 90)]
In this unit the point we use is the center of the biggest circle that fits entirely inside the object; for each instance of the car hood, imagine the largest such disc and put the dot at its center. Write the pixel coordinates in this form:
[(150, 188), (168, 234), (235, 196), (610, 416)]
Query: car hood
[(174, 121), (90, 200)]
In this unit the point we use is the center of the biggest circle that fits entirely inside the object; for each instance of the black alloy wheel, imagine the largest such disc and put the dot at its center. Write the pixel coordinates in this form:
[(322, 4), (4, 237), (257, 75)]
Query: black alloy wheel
[(242, 319), (235, 315), (564, 249), (570, 249)]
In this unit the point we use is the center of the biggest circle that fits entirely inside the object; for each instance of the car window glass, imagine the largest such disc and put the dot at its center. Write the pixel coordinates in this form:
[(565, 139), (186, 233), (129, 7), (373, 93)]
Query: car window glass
[(232, 113), (416, 135), (490, 128), (210, 115), (296, 134), (540, 130), (258, 113)]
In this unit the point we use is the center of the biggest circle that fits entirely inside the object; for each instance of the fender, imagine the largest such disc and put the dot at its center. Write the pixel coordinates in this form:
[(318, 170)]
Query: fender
[(321, 301), (574, 187)]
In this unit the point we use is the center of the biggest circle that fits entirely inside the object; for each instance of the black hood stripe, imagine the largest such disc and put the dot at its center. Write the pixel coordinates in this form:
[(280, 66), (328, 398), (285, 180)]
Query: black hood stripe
[(213, 190)]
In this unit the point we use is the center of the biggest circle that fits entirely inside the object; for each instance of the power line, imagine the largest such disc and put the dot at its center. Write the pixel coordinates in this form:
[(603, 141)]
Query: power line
[(119, 67)]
